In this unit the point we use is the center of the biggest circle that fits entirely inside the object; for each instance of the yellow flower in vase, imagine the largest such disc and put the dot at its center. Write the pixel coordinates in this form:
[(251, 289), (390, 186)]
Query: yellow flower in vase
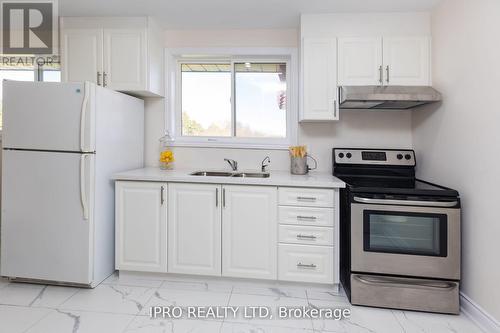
[(166, 157)]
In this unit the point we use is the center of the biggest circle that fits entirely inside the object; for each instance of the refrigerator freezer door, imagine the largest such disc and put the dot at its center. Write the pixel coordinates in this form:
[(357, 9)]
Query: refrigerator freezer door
[(48, 116), (47, 216)]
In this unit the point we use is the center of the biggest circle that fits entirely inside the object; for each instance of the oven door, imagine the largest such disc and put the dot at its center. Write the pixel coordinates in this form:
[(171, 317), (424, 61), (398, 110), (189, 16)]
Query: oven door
[(409, 238)]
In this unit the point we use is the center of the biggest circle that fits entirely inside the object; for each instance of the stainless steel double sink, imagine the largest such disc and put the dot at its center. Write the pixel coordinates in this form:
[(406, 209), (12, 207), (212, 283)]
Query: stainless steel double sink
[(231, 174)]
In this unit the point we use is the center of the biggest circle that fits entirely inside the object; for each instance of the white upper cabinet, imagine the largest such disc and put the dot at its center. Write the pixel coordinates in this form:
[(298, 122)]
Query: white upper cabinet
[(123, 54), (194, 229), (249, 231), (406, 61), (81, 55), (403, 61), (141, 226), (319, 79), (360, 61)]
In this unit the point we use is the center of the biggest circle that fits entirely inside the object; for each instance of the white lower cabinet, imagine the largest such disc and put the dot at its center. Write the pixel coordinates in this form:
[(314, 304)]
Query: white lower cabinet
[(298, 234), (249, 231), (306, 263), (194, 229), (260, 232), (308, 226), (141, 226)]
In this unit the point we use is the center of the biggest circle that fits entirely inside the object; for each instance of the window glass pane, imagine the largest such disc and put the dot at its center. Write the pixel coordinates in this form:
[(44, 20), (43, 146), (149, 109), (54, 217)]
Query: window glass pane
[(51, 76), (260, 101), (206, 99)]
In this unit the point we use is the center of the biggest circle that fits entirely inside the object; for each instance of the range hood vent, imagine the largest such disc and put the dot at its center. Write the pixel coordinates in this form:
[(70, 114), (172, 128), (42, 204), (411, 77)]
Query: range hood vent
[(386, 97)]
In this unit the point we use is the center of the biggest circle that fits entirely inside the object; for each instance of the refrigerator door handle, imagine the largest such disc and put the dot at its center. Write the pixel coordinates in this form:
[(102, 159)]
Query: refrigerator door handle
[(83, 190), (83, 119)]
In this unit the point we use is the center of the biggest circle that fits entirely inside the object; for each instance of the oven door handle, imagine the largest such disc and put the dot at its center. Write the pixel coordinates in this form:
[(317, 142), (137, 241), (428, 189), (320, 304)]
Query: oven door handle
[(406, 202), (405, 283)]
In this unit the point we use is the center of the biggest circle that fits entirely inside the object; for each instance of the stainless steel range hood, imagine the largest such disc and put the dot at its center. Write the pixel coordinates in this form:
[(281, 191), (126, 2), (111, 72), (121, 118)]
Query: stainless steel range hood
[(386, 97)]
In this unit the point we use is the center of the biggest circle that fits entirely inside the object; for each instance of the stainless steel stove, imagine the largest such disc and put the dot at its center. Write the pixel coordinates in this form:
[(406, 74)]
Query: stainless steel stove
[(400, 236)]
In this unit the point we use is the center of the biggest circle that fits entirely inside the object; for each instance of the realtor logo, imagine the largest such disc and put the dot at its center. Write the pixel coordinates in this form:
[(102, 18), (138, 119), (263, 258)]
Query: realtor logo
[(29, 27)]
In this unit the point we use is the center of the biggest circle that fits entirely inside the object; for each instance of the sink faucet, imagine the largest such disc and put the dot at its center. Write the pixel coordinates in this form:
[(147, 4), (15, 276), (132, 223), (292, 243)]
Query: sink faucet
[(262, 165), (232, 163)]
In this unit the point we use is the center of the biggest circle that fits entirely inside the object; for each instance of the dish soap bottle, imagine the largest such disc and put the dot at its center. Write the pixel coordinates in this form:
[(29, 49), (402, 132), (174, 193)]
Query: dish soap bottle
[(166, 152)]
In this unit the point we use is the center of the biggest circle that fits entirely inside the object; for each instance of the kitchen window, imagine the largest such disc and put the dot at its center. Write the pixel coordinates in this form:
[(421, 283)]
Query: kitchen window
[(28, 72), (233, 102)]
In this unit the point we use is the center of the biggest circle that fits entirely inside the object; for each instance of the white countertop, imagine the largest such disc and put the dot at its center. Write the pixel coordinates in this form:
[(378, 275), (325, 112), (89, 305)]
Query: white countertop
[(276, 178)]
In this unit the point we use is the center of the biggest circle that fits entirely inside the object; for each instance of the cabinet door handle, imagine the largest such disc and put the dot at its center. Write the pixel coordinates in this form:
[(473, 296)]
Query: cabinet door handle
[(311, 237), (299, 217), (104, 77), (98, 78), (216, 197), (306, 198), (224, 197), (387, 72), (301, 265), (380, 75), (162, 199)]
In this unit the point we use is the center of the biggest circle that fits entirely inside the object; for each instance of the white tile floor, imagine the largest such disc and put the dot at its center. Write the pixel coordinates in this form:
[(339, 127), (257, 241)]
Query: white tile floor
[(121, 304)]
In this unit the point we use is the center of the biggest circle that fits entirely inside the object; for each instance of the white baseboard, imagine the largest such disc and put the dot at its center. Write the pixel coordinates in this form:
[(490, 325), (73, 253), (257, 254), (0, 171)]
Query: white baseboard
[(477, 314)]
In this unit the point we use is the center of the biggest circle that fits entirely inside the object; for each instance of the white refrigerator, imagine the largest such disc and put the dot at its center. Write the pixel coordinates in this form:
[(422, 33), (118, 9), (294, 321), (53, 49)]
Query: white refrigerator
[(61, 143)]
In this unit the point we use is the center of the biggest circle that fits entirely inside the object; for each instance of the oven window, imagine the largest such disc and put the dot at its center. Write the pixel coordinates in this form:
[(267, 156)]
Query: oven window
[(405, 233)]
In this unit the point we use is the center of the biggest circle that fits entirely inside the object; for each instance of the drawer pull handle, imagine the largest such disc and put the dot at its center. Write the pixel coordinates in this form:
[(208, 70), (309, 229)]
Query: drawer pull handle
[(306, 217), (301, 265), (311, 237), (306, 198)]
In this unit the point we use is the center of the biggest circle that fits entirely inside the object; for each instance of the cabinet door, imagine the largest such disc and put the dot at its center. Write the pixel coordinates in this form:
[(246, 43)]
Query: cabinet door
[(81, 55), (360, 61), (141, 228), (249, 232), (194, 229), (125, 59), (319, 84), (407, 61)]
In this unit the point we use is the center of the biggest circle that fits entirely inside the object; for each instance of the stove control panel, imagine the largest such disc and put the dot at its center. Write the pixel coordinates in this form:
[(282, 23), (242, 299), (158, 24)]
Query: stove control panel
[(402, 157)]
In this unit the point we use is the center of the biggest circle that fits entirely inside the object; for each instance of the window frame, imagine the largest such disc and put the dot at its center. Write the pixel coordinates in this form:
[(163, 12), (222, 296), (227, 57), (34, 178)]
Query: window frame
[(230, 56)]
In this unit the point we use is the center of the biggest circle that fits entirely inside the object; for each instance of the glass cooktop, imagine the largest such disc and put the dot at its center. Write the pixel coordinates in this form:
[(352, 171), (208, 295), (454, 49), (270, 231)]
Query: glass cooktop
[(395, 186)]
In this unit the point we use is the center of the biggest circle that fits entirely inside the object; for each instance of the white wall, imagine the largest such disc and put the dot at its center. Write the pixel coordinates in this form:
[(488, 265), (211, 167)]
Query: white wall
[(356, 129), (460, 140)]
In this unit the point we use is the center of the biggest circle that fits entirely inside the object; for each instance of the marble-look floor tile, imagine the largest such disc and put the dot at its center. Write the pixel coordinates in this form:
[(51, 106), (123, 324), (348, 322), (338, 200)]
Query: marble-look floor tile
[(326, 296), (131, 280), (61, 321), (230, 327), (37, 295), (197, 285), (20, 293), (273, 303), (411, 321), (272, 290), (362, 320), (143, 324), (17, 319), (110, 298), (183, 298)]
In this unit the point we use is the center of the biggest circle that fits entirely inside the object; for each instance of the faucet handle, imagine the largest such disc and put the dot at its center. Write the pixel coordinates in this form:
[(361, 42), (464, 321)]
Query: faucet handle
[(232, 163), (262, 165)]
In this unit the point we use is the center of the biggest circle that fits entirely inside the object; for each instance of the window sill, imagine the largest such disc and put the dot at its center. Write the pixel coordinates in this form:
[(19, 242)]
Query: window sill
[(230, 145)]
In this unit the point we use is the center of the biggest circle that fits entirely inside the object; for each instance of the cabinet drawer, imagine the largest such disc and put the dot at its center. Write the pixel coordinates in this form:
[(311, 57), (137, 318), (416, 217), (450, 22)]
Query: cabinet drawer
[(306, 216), (296, 234), (294, 196), (305, 263)]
